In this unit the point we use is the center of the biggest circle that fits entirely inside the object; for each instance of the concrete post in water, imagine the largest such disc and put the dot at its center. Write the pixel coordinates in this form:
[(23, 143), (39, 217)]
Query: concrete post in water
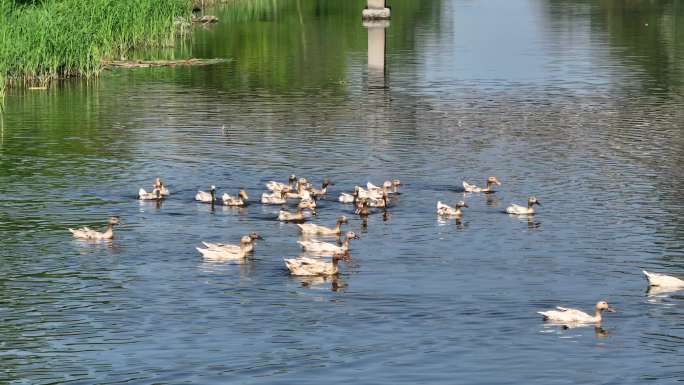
[(376, 51), (376, 10)]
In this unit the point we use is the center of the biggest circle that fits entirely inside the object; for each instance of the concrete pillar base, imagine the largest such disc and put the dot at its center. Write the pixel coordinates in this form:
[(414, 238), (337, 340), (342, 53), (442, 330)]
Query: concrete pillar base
[(376, 14)]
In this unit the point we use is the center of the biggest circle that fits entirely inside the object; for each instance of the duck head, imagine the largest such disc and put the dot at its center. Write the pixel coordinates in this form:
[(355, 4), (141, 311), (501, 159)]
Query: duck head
[(114, 220), (351, 235), (254, 236), (532, 201), (603, 305), (342, 219), (492, 180), (243, 194), (326, 183), (157, 183), (461, 204)]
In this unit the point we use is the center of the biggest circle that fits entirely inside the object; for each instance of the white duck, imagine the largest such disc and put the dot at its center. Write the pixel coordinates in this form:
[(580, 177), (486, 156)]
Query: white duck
[(322, 230), (562, 314), (382, 202), (448, 211), (206, 197), (314, 246), (287, 216), (663, 281), (153, 195), (223, 254), (307, 204), (87, 233), (277, 186), (309, 266), (239, 200), (324, 189), (349, 198), (276, 198), (389, 185), (491, 181), (248, 240), (160, 186), (302, 190), (520, 210)]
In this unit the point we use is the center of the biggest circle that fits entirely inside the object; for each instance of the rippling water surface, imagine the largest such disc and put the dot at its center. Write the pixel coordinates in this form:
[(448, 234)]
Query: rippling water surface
[(579, 103)]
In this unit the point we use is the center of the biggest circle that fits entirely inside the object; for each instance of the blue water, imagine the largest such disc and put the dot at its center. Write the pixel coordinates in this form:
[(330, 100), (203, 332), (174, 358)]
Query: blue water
[(577, 103)]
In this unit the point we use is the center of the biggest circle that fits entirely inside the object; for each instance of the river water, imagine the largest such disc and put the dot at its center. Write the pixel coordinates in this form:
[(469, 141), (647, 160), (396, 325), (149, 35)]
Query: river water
[(579, 103)]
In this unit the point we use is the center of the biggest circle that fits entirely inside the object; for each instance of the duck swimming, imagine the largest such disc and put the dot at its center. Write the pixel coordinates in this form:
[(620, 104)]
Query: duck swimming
[(158, 185), (663, 281), (324, 189), (309, 266), (322, 230), (228, 253), (314, 246), (568, 315), (287, 216), (87, 233), (248, 240), (154, 195), (277, 186), (491, 181), (239, 200), (276, 198), (206, 197), (448, 211), (349, 198), (520, 210)]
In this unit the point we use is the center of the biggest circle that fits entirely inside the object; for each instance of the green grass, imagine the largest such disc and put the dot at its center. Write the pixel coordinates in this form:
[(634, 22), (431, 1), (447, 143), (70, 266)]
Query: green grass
[(43, 40)]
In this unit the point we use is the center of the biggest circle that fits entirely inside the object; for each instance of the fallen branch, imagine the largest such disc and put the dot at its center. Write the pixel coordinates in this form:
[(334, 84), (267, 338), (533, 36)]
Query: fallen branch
[(160, 63)]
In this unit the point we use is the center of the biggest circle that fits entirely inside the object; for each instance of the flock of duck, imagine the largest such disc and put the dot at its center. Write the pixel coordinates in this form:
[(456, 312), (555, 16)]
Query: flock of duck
[(322, 258)]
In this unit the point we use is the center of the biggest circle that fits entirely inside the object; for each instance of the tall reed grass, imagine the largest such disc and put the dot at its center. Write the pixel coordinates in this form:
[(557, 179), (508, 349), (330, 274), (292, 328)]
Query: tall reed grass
[(44, 39)]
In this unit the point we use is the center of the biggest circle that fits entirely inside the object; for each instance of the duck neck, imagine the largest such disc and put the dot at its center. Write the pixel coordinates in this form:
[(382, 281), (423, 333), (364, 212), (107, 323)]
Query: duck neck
[(345, 243), (338, 226), (110, 230), (597, 315), (213, 195)]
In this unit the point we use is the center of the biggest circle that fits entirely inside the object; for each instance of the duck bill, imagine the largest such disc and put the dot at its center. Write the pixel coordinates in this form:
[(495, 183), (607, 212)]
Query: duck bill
[(497, 183), (537, 203), (611, 310)]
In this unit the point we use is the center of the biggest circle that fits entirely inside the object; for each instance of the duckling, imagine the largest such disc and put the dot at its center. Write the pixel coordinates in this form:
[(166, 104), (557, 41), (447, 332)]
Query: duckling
[(248, 240), (349, 198), (314, 246), (576, 316), (449, 211), (322, 230), (205, 197), (309, 266), (240, 200), (276, 198), (324, 189), (87, 233), (154, 195), (228, 253), (520, 210), (491, 181), (277, 186), (287, 216), (663, 281)]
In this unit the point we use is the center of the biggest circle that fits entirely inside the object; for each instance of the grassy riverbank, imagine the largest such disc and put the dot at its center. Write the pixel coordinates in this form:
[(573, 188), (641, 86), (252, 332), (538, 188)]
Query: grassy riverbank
[(42, 40)]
